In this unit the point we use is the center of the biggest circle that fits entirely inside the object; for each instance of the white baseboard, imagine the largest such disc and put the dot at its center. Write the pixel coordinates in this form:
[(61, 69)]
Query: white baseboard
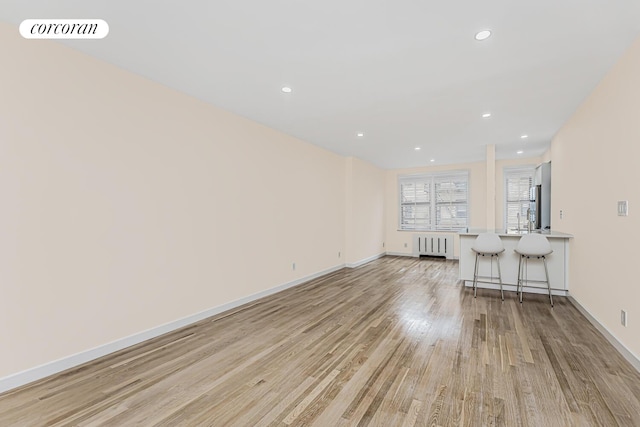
[(366, 260), (400, 254), (624, 351), (39, 372), (453, 258)]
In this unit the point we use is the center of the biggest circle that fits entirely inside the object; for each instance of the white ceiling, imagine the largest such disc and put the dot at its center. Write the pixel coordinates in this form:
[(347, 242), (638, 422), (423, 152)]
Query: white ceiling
[(407, 73)]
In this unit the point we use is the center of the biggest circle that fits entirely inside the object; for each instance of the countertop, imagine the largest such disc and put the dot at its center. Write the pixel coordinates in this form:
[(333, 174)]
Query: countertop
[(504, 233)]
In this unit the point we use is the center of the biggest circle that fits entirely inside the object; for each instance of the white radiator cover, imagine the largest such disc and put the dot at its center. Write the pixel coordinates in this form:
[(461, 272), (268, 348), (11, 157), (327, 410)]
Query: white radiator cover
[(433, 245)]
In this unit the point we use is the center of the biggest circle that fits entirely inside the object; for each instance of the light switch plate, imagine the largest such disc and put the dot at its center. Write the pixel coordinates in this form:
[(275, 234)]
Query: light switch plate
[(623, 208)]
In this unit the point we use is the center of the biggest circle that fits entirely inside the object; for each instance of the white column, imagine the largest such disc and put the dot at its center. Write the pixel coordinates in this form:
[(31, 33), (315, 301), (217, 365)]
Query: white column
[(491, 187)]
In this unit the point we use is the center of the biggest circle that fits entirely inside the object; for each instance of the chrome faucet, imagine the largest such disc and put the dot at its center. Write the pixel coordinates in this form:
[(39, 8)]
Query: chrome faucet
[(529, 220)]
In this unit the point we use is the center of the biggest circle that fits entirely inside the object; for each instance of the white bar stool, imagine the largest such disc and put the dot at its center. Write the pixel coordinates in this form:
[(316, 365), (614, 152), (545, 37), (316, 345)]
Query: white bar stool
[(532, 246), (487, 244)]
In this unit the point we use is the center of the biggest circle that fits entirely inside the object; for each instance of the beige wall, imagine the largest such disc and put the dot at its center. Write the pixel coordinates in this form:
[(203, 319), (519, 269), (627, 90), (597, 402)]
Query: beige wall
[(594, 164), (126, 205), (365, 204)]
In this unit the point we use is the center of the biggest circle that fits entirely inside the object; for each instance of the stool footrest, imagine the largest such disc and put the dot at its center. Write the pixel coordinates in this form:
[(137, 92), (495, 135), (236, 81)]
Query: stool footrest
[(488, 277), (544, 288), (532, 281), (486, 281)]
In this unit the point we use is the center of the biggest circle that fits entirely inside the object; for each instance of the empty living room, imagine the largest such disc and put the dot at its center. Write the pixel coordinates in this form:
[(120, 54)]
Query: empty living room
[(287, 213)]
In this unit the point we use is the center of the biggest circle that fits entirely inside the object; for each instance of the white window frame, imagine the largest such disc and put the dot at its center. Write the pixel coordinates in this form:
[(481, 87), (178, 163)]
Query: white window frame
[(431, 179), (513, 172)]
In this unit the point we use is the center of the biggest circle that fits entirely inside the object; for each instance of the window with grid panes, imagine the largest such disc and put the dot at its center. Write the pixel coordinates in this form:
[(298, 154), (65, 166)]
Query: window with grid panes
[(434, 201), (517, 182)]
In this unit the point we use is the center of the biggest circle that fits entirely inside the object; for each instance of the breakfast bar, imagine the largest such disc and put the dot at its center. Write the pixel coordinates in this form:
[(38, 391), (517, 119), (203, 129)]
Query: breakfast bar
[(557, 262)]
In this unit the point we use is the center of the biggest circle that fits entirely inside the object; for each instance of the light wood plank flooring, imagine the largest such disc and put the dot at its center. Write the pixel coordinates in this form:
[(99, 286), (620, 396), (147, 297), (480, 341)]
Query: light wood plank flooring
[(397, 342)]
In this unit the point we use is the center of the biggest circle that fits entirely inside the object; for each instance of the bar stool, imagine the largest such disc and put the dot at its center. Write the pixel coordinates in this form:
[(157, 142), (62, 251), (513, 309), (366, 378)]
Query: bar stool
[(487, 244), (532, 246)]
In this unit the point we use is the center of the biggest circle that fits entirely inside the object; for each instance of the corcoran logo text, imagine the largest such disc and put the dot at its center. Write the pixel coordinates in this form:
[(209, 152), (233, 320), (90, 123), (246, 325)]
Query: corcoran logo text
[(64, 29)]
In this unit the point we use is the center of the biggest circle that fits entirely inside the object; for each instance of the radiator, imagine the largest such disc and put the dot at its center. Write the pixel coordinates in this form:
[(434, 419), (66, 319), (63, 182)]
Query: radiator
[(433, 245)]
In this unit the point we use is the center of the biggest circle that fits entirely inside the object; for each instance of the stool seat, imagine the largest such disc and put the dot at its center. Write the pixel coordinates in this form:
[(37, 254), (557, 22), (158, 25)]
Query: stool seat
[(534, 245), (487, 244)]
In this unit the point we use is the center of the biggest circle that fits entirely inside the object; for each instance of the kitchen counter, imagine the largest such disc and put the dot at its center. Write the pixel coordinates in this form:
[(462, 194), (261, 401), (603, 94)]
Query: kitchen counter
[(509, 233), (557, 262)]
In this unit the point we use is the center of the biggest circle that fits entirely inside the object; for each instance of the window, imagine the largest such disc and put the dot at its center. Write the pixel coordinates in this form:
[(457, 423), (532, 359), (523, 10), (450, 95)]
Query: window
[(434, 201), (517, 182)]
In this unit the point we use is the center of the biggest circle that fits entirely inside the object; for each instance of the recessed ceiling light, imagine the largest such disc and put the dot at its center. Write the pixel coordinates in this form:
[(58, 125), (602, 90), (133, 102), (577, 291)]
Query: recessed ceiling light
[(486, 115), (417, 148), (519, 152), (524, 136), (287, 89), (360, 134), (483, 35), (432, 160)]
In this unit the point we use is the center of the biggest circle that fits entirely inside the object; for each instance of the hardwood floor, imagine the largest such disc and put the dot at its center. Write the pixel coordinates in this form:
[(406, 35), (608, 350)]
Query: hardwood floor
[(397, 342)]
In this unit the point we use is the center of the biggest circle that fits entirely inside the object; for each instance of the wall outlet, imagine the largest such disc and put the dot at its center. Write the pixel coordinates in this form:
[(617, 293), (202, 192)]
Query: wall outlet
[(293, 266), (561, 214), (383, 244), (405, 245), (338, 254), (623, 208), (623, 317)]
